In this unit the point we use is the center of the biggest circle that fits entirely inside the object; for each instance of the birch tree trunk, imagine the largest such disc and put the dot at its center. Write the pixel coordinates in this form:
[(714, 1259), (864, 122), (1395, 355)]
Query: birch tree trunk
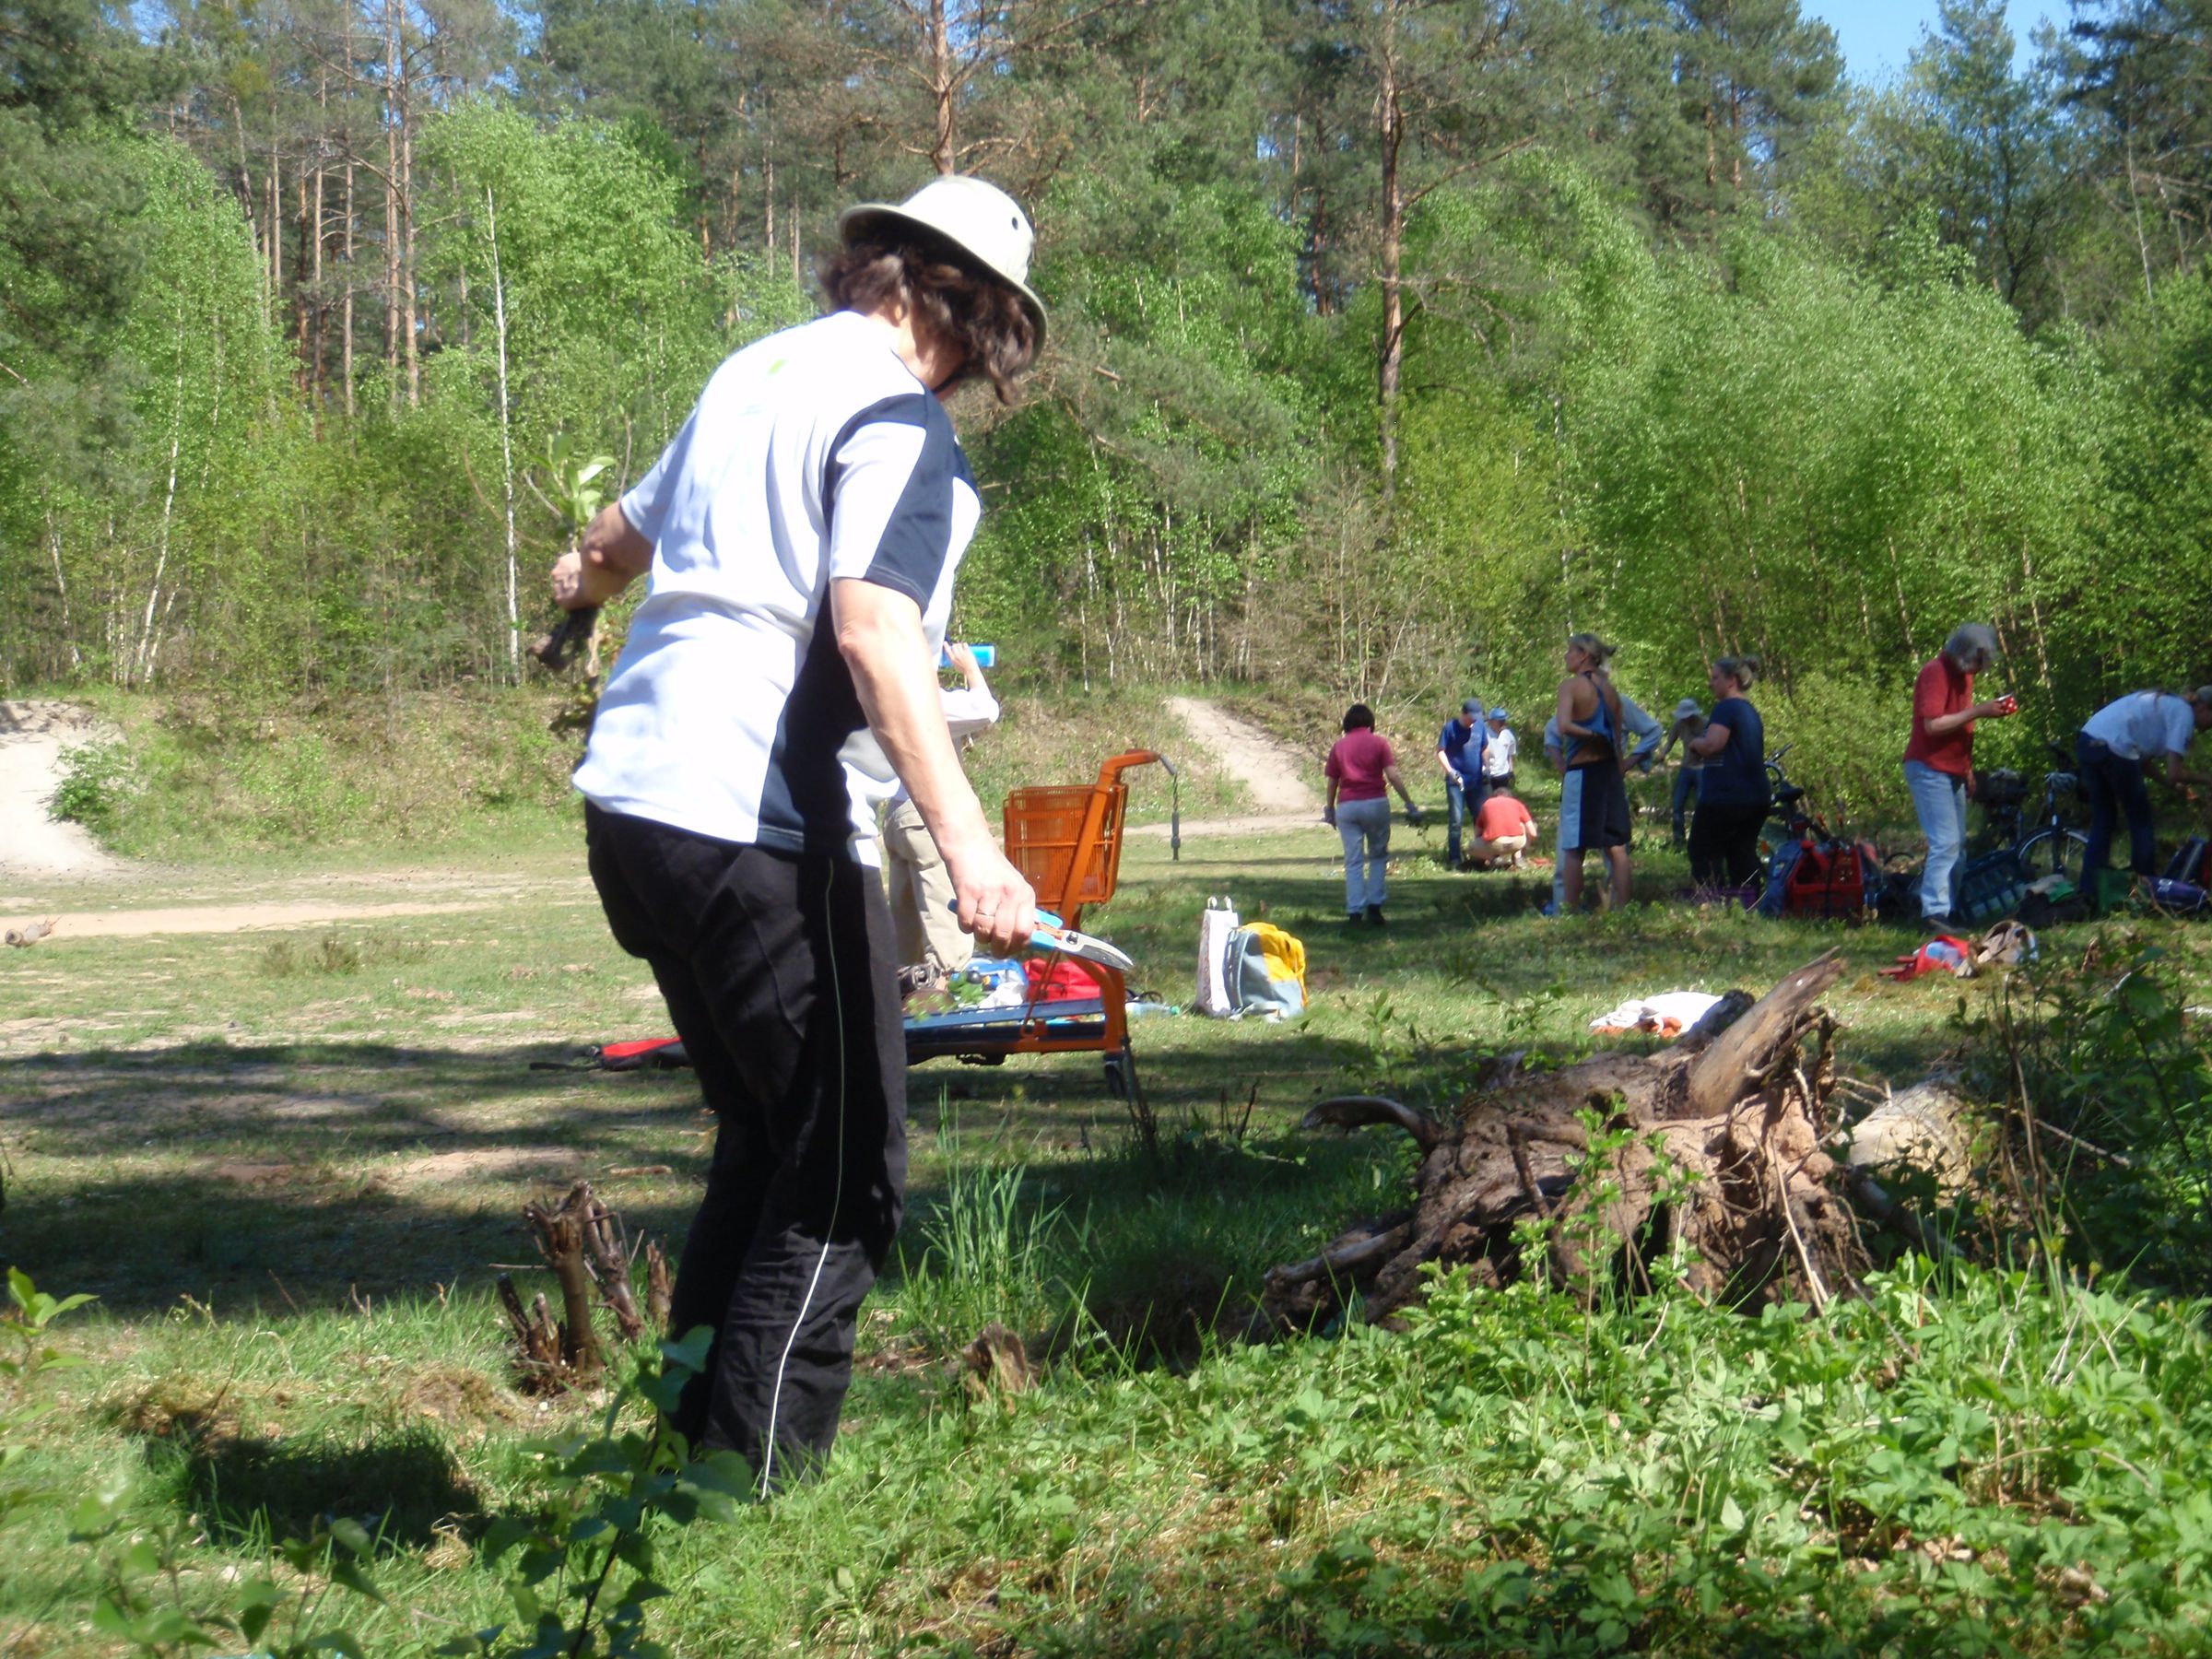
[(142, 655), (498, 317), (346, 300), (61, 586)]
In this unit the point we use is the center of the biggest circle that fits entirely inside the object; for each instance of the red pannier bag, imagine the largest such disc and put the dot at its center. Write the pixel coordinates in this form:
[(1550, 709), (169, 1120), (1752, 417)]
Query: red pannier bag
[(1832, 878)]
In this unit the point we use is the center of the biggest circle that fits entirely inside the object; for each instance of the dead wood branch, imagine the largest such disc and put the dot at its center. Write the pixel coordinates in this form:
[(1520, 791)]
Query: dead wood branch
[(1715, 1141), (1356, 1112)]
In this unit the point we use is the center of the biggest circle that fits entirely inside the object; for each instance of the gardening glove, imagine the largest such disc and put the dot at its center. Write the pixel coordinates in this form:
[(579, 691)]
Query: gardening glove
[(1413, 815), (1328, 817)]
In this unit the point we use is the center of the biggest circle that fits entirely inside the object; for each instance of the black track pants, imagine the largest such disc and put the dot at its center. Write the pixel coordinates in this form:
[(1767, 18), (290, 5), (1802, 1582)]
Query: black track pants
[(1724, 842), (777, 970)]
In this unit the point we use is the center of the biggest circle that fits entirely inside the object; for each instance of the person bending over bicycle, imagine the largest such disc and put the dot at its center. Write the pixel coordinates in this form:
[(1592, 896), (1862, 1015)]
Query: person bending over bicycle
[(2115, 747)]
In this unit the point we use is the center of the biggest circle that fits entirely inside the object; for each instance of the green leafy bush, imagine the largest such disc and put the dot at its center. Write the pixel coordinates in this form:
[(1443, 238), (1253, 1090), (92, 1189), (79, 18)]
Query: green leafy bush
[(98, 781), (2106, 1053)]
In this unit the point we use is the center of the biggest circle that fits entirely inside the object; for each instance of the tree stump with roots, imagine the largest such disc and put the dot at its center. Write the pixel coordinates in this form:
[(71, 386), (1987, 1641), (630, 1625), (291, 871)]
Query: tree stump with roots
[(1714, 1142)]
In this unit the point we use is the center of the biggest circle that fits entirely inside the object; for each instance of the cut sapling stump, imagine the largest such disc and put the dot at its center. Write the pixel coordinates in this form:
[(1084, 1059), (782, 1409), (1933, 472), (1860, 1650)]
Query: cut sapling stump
[(1598, 1168), (581, 1240)]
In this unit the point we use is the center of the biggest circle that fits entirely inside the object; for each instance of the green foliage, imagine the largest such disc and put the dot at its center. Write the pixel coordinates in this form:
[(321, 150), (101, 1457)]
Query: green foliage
[(582, 1571), (984, 1254), (145, 1605), (1848, 736), (26, 1355), (573, 490), (2108, 1053), (98, 782), (1829, 472)]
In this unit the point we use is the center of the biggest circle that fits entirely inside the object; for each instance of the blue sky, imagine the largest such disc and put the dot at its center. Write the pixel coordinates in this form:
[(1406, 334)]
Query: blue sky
[(1877, 35)]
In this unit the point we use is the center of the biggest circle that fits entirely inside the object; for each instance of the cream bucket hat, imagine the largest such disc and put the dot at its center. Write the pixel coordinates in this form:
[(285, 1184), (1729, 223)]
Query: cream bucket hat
[(980, 219)]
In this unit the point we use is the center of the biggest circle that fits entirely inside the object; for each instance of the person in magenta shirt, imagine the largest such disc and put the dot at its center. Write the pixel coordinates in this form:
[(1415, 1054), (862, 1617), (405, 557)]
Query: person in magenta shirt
[(1360, 766), (1939, 760)]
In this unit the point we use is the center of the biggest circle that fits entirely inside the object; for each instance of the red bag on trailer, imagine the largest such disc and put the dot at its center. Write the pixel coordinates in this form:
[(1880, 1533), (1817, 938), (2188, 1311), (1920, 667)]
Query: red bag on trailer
[(1832, 878), (1065, 981)]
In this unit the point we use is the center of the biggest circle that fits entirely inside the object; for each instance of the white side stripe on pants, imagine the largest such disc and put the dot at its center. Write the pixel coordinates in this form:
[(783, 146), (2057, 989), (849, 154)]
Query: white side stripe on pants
[(836, 1193)]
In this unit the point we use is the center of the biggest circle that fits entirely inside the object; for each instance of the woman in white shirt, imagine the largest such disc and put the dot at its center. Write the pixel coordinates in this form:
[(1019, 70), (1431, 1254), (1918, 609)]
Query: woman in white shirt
[(2115, 749)]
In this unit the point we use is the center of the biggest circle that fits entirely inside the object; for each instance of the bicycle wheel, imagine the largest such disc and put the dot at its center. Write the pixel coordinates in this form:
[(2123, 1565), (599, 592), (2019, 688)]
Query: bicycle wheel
[(2052, 853)]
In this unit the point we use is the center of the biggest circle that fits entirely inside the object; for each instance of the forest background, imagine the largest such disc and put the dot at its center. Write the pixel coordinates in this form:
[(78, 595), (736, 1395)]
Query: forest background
[(1390, 342)]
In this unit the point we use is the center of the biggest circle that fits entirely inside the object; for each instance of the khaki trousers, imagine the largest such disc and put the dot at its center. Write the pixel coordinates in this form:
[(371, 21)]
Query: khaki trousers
[(922, 896), (1502, 846)]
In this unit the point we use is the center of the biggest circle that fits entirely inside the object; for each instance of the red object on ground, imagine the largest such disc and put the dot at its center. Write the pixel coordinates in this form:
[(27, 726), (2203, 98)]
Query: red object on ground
[(1065, 981), (1944, 953)]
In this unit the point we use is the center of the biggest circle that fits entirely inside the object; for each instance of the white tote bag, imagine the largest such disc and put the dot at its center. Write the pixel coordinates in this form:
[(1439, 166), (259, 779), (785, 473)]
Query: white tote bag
[(1214, 928)]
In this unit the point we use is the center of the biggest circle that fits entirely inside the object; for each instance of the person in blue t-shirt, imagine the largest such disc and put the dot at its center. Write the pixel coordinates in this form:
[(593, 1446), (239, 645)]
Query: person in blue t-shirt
[(1459, 752), (1733, 795)]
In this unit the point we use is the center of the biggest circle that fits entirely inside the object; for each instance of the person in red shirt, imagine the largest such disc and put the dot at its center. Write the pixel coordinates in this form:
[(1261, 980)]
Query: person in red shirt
[(1939, 760), (1359, 766), (1503, 831)]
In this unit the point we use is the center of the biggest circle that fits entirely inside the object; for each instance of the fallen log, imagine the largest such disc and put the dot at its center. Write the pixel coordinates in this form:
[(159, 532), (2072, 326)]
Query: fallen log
[(1714, 1142)]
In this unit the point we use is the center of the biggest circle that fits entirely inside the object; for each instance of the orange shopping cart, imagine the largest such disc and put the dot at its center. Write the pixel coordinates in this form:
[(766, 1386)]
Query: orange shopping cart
[(1066, 841)]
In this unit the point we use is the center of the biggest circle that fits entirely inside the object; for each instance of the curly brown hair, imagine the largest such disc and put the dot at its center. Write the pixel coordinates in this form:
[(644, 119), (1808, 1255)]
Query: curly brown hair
[(978, 315)]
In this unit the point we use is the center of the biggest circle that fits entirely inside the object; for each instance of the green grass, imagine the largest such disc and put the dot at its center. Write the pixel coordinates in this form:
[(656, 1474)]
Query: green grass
[(287, 1162)]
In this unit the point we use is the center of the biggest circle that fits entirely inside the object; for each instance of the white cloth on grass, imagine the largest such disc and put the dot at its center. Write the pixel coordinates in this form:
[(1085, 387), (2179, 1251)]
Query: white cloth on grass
[(1669, 1013)]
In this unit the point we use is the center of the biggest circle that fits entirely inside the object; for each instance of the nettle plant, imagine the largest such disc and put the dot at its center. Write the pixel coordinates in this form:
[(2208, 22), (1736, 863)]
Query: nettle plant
[(2104, 1065), (582, 1572)]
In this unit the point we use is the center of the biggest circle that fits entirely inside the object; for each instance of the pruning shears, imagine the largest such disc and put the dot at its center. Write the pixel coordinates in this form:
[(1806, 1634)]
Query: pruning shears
[(1052, 934)]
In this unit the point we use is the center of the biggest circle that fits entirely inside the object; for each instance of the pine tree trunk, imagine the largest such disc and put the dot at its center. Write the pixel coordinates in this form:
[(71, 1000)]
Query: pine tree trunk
[(391, 119), (943, 87), (1390, 116), (409, 317)]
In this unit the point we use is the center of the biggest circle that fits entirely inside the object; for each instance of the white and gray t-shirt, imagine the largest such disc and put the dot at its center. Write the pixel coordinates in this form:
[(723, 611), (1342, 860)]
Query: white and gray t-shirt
[(813, 455), (2144, 725)]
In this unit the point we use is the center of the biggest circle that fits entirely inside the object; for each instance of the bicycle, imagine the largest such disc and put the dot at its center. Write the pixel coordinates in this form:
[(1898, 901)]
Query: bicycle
[(2053, 847), (1787, 824)]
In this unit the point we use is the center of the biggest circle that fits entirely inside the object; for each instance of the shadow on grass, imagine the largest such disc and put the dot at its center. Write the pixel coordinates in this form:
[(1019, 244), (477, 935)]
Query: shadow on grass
[(321, 1172), (402, 1488)]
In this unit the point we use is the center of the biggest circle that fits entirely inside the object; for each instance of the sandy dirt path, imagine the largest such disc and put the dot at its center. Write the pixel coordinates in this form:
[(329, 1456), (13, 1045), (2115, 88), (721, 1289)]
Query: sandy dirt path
[(1274, 772), (33, 736), (226, 918)]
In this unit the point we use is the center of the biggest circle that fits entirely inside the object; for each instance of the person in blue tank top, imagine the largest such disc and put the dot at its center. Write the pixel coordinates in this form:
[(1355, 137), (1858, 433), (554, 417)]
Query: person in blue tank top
[(1593, 796), (1733, 794)]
